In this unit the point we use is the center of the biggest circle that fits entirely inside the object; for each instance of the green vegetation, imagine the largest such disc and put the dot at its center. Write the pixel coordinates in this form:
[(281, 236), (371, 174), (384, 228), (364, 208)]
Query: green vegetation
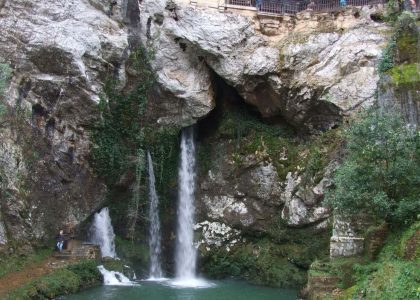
[(16, 262), (405, 74), (5, 73), (280, 258), (136, 253), (122, 137), (60, 282), (386, 61), (341, 269), (394, 274), (403, 42), (120, 132), (278, 145), (260, 263), (381, 173)]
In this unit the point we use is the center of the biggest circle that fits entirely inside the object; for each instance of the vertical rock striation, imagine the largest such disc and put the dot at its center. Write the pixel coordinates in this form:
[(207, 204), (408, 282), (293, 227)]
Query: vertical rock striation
[(61, 52)]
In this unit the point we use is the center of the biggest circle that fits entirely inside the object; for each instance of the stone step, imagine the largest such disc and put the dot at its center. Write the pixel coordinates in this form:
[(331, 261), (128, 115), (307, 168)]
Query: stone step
[(79, 249)]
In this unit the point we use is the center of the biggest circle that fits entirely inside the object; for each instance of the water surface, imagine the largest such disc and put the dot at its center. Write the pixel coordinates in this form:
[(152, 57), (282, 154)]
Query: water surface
[(220, 290)]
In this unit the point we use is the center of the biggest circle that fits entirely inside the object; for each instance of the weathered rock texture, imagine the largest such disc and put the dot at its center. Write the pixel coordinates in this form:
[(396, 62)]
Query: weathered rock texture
[(251, 196), (61, 52), (309, 69), (399, 86)]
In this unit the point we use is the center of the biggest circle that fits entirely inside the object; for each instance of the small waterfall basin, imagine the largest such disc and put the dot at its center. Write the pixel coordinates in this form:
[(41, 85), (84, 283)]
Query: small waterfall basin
[(165, 290)]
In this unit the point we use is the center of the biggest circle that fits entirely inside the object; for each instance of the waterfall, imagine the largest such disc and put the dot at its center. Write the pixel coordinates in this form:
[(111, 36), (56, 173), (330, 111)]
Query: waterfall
[(114, 278), (102, 233), (185, 257), (154, 229)]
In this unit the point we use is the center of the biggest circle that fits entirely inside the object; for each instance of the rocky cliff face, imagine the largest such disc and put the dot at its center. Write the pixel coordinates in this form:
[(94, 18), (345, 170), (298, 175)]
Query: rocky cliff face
[(60, 52), (259, 197), (399, 86), (310, 69)]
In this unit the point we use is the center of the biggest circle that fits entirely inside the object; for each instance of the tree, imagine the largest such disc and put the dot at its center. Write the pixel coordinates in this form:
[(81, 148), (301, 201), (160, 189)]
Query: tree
[(381, 172)]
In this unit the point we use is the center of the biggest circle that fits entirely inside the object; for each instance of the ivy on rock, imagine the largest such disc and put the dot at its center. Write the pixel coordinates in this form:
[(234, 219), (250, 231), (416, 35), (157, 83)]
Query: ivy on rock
[(124, 134)]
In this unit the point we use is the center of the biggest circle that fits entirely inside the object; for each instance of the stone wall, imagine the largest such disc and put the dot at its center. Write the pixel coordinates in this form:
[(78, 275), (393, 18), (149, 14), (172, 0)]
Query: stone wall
[(347, 238)]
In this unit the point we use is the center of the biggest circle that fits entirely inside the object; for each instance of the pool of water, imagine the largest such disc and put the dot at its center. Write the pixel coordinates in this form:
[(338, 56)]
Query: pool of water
[(217, 290)]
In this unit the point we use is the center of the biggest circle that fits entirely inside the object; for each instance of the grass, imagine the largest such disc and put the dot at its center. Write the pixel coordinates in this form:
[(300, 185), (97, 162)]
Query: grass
[(60, 282), (17, 262), (393, 275)]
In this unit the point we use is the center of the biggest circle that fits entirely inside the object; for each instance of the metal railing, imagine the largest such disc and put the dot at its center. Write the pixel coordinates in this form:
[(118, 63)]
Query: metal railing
[(250, 3), (279, 7), (282, 7), (332, 5)]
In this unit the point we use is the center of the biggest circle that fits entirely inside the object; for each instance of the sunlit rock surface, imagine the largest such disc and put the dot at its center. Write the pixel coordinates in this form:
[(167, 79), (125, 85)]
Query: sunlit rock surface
[(310, 70), (61, 53)]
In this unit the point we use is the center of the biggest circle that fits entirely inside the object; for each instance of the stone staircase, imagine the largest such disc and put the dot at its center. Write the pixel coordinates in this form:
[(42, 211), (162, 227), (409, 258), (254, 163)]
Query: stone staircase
[(78, 249), (322, 285), (375, 240)]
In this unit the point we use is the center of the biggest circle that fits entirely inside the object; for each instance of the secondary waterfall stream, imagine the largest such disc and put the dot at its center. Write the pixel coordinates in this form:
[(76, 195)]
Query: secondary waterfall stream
[(185, 256), (102, 233), (154, 229)]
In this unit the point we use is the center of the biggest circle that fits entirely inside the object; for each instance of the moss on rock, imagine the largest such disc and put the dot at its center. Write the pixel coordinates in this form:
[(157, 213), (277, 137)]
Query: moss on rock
[(280, 258), (60, 282), (394, 274), (405, 74)]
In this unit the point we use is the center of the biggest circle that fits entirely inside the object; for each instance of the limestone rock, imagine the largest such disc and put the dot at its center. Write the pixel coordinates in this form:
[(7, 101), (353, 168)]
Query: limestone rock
[(61, 53), (215, 234), (252, 195), (302, 204), (244, 198), (310, 71)]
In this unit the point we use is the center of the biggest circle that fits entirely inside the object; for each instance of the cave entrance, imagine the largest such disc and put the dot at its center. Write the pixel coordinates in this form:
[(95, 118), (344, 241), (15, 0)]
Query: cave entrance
[(228, 101)]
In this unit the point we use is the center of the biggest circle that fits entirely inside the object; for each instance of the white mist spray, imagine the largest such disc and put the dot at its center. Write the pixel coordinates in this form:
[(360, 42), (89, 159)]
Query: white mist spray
[(102, 233)]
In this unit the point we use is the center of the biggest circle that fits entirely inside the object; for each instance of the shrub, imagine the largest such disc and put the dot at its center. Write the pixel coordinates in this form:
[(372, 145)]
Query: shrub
[(404, 32), (381, 174), (123, 135)]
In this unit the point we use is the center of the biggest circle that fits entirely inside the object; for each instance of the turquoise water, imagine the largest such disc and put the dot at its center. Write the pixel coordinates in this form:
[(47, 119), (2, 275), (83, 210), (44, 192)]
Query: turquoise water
[(221, 290)]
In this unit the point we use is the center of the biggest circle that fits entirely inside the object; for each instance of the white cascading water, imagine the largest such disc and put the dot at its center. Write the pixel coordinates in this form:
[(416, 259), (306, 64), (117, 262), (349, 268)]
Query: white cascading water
[(154, 229), (114, 278), (186, 253), (102, 233), (185, 258)]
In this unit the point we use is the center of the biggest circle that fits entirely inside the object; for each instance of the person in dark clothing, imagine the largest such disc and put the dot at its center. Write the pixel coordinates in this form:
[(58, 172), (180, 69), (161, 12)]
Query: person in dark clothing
[(258, 4), (60, 241)]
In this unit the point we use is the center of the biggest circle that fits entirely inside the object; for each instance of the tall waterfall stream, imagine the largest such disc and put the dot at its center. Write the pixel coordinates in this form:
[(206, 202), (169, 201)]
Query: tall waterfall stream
[(154, 229)]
